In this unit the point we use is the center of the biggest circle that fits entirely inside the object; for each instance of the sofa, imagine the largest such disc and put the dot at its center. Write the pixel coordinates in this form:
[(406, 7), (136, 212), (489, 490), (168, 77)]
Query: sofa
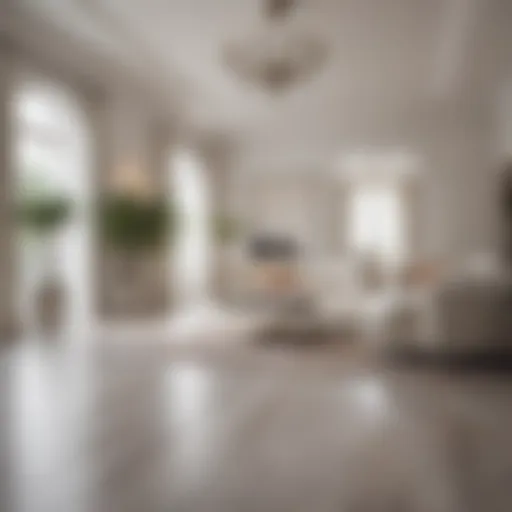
[(469, 311)]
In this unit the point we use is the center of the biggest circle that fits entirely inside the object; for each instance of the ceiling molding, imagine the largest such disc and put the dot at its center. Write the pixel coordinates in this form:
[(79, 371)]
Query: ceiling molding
[(46, 46), (115, 21), (151, 62)]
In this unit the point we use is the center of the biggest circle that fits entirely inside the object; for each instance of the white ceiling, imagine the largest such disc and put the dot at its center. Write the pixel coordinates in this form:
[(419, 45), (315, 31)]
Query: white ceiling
[(389, 57)]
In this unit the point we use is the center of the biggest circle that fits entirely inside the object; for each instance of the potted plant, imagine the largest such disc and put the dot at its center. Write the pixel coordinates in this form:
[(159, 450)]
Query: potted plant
[(135, 231), (42, 216)]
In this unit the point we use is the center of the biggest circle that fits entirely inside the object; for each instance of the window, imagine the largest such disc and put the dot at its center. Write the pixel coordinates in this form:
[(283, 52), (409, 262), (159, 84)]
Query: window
[(377, 220), (52, 155)]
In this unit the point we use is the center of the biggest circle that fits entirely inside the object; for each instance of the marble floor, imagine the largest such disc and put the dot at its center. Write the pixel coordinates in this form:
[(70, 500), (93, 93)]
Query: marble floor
[(147, 426)]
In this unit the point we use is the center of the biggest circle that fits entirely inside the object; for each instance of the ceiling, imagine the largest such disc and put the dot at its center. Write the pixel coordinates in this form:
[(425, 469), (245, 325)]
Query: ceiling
[(390, 59)]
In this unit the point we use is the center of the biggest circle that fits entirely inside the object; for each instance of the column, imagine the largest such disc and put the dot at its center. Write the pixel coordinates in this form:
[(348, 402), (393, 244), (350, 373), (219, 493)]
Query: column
[(101, 162), (9, 323)]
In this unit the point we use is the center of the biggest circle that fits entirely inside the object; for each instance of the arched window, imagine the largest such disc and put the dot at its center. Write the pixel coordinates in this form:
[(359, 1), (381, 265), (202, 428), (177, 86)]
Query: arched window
[(377, 220), (52, 156), (380, 210)]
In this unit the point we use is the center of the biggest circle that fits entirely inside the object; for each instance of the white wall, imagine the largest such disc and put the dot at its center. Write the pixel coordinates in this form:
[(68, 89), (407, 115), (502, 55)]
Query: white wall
[(292, 204), (456, 148), (460, 208)]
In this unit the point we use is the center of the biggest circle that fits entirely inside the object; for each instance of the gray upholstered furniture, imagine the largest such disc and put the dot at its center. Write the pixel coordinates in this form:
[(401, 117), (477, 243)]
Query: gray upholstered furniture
[(470, 313)]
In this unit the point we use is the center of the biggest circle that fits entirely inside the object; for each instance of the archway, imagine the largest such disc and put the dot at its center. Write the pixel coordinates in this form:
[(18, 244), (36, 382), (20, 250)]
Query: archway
[(53, 157)]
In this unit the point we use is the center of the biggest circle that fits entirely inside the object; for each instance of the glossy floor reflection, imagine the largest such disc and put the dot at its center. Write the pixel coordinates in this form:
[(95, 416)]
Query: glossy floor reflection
[(147, 427)]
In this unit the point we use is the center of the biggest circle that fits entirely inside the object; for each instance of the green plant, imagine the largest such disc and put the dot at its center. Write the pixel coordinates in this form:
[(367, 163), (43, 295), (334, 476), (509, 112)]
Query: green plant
[(133, 225), (43, 214)]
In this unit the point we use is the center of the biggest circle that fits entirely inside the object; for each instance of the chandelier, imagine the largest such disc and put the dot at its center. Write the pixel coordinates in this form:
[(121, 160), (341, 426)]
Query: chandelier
[(279, 54)]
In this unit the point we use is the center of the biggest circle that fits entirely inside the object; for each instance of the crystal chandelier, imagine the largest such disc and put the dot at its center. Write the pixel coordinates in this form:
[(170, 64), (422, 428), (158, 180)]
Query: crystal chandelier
[(279, 54)]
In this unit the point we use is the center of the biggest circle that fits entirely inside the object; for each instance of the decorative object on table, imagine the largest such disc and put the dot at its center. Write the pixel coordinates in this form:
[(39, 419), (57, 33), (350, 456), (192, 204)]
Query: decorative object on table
[(136, 231), (279, 54), (43, 216)]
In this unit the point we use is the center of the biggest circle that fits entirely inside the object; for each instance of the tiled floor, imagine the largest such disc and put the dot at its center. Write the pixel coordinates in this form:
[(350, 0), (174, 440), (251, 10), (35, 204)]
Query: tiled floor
[(142, 427)]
